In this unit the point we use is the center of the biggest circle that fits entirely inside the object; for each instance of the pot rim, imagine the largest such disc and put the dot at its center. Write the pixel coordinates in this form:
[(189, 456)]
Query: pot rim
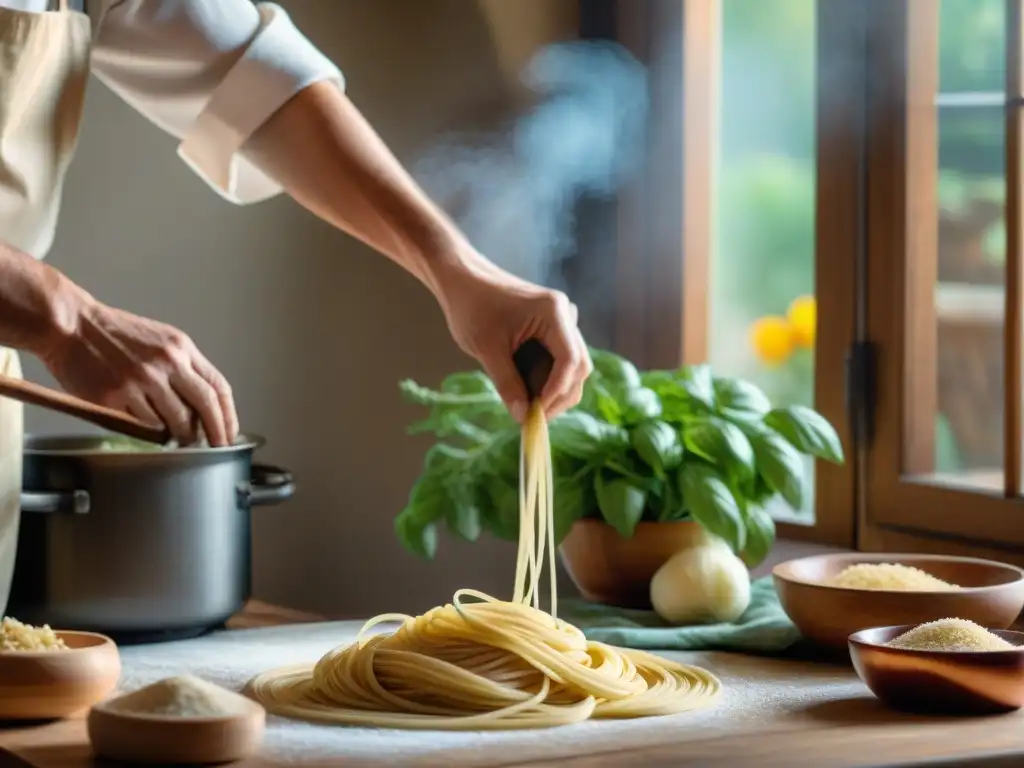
[(245, 442)]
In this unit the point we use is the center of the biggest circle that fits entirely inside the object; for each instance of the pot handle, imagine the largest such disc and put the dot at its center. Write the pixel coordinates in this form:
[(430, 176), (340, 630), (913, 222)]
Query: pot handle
[(269, 485), (55, 502)]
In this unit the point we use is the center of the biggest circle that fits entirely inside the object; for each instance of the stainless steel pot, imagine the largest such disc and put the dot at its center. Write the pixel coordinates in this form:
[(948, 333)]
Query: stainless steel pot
[(140, 545)]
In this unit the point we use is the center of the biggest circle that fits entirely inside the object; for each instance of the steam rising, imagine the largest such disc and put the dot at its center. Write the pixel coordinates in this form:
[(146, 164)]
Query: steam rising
[(514, 193)]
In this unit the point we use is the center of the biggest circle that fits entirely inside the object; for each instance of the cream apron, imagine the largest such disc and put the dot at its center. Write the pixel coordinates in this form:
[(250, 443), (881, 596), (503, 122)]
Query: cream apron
[(44, 63)]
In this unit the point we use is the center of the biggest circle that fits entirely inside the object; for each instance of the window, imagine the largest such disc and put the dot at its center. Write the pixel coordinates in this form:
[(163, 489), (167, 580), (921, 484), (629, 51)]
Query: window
[(761, 281), (944, 296), (866, 153), (785, 222), (736, 187)]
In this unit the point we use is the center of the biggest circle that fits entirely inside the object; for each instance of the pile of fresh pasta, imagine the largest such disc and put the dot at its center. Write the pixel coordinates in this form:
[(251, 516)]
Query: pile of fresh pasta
[(486, 664)]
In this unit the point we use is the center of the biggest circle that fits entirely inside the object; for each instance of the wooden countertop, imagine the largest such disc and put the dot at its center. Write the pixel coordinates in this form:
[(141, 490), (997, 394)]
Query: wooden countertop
[(65, 744), (853, 732)]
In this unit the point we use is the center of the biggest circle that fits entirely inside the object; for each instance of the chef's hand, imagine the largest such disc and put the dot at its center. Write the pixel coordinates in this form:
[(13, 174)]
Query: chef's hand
[(149, 369), (491, 313)]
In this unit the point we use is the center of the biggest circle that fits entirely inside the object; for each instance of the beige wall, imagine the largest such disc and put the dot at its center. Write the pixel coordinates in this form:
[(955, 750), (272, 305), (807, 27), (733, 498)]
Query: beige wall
[(313, 330)]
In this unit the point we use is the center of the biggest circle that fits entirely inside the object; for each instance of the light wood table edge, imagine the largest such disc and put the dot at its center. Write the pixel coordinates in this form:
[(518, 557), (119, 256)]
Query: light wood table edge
[(793, 744), (840, 744), (65, 744)]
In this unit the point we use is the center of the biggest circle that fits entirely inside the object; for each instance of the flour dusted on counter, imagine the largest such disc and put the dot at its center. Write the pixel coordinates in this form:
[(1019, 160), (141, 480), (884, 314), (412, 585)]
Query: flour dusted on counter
[(182, 696)]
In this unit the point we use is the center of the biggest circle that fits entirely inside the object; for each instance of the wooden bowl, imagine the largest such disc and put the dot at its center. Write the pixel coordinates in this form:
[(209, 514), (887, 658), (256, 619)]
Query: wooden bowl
[(934, 682), (992, 595), (142, 738), (613, 570), (45, 685)]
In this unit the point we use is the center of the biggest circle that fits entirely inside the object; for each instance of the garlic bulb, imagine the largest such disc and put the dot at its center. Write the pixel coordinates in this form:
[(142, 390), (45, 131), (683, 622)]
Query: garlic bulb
[(704, 584)]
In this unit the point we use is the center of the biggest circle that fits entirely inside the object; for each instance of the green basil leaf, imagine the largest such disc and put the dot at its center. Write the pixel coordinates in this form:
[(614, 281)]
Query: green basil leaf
[(477, 395), (464, 521), (761, 493), (430, 495), (628, 465), (739, 399), (442, 457), (698, 383), (500, 457), (470, 383), (599, 402), (572, 501), (467, 406), (419, 539), (808, 431), (608, 408), (640, 404), (710, 502), (658, 379), (615, 369), (453, 468), (621, 503), (415, 393), (723, 444), (503, 497), (463, 514), (781, 466), (754, 429), (658, 445), (415, 525), (581, 436), (760, 535), (668, 505), (676, 403)]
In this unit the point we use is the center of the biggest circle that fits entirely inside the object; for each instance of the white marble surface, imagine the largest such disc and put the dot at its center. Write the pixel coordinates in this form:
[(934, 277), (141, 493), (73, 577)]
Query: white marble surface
[(757, 692)]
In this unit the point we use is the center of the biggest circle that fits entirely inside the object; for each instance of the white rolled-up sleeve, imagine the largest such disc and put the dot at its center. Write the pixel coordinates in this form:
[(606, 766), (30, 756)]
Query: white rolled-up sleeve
[(209, 72)]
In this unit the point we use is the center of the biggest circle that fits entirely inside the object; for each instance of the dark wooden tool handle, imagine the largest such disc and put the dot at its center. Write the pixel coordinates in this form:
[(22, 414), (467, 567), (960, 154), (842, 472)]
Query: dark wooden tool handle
[(108, 418), (534, 363)]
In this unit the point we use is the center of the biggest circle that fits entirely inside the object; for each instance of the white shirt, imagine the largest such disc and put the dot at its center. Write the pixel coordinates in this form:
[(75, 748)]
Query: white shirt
[(209, 72)]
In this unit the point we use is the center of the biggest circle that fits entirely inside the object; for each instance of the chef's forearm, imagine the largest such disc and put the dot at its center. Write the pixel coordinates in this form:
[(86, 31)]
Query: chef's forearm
[(39, 306), (327, 156)]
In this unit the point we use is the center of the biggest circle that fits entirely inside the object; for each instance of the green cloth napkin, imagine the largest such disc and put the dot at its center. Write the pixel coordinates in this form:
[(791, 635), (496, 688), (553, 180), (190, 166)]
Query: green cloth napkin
[(763, 627)]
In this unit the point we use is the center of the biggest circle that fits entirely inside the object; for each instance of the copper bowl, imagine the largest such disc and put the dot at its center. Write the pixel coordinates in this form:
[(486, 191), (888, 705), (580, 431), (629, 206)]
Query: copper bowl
[(614, 570), (940, 682), (992, 595)]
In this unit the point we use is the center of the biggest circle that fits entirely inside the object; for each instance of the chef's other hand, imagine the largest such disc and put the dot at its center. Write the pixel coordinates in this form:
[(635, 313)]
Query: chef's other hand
[(149, 369), (491, 313)]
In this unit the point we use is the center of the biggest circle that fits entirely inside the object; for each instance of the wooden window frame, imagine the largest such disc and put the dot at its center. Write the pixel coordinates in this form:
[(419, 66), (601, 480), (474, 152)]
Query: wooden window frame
[(664, 221), (899, 511)]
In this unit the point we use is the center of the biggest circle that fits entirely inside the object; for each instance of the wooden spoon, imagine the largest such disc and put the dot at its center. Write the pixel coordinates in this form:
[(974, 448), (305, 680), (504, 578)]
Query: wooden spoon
[(108, 418)]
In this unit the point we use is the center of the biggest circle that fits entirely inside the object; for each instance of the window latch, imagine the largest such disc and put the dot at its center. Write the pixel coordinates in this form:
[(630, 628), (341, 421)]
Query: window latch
[(860, 390)]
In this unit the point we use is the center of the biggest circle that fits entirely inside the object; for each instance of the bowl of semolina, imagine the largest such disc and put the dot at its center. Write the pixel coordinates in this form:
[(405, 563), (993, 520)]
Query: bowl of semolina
[(947, 666), (829, 597)]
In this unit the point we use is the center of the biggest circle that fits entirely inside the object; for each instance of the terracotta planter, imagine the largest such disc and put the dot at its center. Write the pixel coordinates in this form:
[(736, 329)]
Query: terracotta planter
[(610, 569)]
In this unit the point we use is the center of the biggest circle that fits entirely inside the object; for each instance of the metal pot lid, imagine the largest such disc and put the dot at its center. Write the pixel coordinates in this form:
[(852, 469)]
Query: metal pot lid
[(111, 444)]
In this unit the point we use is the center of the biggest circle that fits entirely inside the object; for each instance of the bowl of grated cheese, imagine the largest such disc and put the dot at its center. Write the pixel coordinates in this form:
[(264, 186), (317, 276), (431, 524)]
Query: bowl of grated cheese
[(829, 597), (947, 666), (47, 674)]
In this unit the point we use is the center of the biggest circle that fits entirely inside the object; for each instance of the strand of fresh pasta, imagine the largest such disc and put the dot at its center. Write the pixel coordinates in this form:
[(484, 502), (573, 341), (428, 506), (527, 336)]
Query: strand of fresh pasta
[(488, 664)]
